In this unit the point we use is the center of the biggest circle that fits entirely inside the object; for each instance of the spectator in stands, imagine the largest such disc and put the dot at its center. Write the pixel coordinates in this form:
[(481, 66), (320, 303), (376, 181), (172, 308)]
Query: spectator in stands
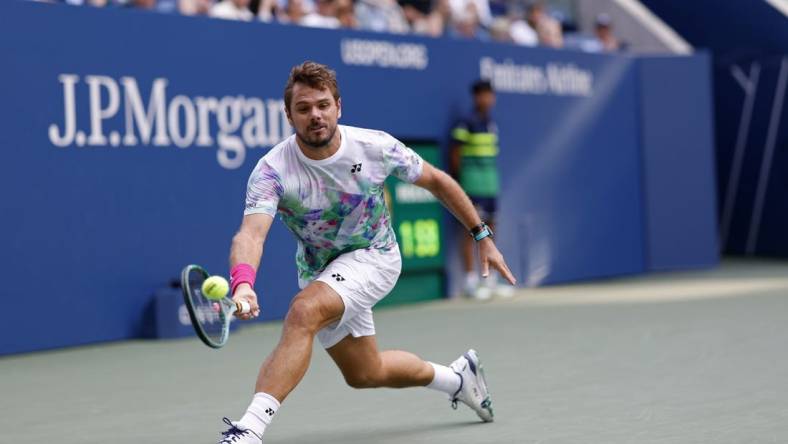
[(415, 11), (423, 7), (467, 24), (232, 10), (265, 10), (381, 16), (547, 28), (474, 19), (473, 155), (194, 7), (512, 29), (604, 34), (293, 12), (520, 31), (434, 24), (500, 30), (162, 6), (346, 14), (460, 10), (500, 8), (142, 4), (324, 15)]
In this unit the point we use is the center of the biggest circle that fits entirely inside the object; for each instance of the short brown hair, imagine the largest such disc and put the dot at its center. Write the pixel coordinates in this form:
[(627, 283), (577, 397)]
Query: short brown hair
[(313, 75)]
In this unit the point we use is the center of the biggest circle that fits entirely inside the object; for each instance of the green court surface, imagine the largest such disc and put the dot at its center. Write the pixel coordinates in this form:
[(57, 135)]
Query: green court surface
[(698, 357)]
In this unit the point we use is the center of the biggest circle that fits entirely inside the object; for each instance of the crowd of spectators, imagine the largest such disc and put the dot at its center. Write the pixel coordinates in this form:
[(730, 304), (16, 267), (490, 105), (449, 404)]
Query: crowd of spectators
[(520, 22)]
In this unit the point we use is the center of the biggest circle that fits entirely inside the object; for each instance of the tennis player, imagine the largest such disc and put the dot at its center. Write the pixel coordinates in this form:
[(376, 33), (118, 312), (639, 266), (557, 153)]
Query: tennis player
[(326, 183)]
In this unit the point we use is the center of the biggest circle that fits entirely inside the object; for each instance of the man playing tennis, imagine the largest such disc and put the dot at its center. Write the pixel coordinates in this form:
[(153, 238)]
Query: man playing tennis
[(326, 183)]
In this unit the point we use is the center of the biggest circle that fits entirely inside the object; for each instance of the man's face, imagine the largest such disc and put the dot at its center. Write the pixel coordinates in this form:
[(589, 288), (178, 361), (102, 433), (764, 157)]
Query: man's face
[(295, 9), (485, 101), (314, 114), (326, 7)]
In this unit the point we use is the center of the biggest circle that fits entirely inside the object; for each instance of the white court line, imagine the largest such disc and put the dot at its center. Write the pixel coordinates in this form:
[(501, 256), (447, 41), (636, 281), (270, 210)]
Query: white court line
[(651, 292)]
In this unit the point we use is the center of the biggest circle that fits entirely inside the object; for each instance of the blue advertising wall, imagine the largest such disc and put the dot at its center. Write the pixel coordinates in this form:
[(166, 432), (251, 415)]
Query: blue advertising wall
[(752, 157), (568, 161), (129, 137), (678, 174)]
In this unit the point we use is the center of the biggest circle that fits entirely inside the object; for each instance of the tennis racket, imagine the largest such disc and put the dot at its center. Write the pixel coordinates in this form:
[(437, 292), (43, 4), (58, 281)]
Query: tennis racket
[(210, 318)]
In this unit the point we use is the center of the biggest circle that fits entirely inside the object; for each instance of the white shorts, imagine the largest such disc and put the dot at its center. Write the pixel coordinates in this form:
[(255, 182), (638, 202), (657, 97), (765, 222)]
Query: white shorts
[(362, 278)]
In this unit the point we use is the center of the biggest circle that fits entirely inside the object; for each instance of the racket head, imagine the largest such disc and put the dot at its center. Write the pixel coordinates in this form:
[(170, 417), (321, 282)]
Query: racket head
[(210, 318)]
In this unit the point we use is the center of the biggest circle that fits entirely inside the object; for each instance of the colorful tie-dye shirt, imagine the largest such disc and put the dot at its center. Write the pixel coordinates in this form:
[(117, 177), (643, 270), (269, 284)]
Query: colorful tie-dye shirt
[(333, 205)]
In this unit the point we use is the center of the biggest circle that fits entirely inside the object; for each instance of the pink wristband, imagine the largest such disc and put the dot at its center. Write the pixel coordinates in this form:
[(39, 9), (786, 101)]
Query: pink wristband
[(242, 273)]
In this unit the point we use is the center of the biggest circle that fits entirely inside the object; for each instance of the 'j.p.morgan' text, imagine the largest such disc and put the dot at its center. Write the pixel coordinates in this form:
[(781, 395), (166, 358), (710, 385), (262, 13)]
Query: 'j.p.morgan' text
[(118, 116)]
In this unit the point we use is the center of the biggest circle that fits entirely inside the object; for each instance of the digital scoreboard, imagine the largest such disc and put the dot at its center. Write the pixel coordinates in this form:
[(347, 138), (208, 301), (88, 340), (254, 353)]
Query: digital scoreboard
[(416, 216)]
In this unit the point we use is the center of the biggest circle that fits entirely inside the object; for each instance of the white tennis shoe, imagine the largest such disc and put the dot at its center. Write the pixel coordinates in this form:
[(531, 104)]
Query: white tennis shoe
[(482, 293), (504, 291), (473, 386), (238, 434)]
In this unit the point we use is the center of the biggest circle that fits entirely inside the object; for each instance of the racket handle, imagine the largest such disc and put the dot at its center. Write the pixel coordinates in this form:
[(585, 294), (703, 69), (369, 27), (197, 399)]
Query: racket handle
[(242, 307)]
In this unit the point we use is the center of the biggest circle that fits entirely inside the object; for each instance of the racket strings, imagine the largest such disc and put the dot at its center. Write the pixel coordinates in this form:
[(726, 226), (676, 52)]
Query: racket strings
[(209, 314)]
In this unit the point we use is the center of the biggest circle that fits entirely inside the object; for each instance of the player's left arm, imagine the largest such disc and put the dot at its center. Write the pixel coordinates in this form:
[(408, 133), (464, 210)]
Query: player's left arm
[(451, 195)]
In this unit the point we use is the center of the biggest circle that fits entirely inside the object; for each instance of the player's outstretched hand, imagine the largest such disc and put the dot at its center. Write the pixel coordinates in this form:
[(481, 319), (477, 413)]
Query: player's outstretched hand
[(489, 256), (244, 292)]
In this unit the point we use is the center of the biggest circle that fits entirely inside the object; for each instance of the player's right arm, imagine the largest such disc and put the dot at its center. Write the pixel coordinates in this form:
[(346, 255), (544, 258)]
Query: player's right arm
[(451, 195), (263, 192), (454, 160), (247, 248)]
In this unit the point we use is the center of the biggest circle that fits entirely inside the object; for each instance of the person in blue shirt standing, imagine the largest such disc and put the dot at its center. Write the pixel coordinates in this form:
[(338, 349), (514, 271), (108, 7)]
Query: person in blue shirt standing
[(473, 161)]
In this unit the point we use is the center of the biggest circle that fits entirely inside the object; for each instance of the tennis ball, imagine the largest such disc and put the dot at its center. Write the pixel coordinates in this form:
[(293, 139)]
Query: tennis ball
[(215, 287)]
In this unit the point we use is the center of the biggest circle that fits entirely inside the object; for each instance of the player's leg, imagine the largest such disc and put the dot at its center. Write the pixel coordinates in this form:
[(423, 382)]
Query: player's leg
[(363, 278), (364, 366), (312, 309)]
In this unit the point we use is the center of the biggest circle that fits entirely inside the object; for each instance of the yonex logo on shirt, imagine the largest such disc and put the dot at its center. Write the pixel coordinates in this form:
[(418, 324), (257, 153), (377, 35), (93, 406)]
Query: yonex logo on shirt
[(356, 168), (338, 277)]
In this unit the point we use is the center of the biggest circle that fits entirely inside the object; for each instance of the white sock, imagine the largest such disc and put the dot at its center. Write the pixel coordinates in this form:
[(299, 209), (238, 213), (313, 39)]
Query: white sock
[(445, 379), (260, 412)]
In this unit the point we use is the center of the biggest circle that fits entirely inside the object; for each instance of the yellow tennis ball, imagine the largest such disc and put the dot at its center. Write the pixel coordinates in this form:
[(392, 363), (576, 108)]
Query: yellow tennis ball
[(215, 287)]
